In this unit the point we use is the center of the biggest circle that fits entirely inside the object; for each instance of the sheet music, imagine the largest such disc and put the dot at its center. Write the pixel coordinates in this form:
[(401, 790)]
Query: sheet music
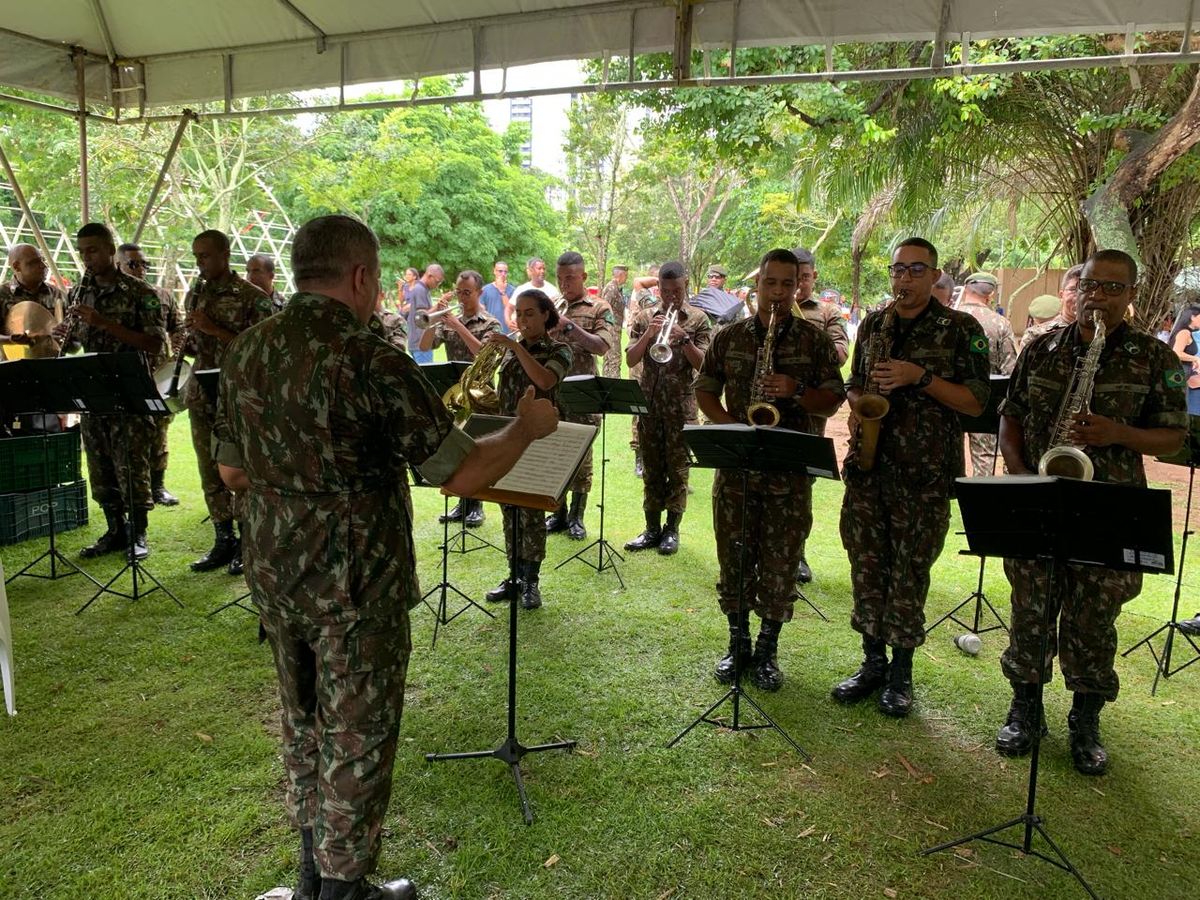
[(548, 463)]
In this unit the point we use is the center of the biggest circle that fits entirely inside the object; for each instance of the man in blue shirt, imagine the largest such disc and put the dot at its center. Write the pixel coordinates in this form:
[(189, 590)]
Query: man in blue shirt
[(497, 296), (419, 299)]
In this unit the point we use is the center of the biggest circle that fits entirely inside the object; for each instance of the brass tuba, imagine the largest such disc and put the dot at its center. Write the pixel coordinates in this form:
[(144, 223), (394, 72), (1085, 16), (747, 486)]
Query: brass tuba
[(474, 393), (762, 411), (872, 406), (1066, 458)]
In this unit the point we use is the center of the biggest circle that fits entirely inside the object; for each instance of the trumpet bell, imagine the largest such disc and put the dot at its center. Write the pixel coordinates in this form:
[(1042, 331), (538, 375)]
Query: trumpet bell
[(1066, 461), (661, 354)]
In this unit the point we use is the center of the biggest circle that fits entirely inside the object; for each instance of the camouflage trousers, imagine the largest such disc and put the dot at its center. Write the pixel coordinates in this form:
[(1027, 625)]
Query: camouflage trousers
[(776, 519), (217, 497), (612, 359), (892, 537), (162, 449), (665, 464), (983, 451), (342, 689), (583, 478), (532, 545), (118, 452), (1084, 607)]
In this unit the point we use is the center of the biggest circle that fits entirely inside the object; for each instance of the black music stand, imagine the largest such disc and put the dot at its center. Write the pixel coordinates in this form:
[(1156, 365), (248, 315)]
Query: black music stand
[(442, 377), (745, 449), (511, 751), (987, 422), (26, 391), (1188, 455), (112, 384), (210, 382), (585, 395), (1060, 521), (441, 614)]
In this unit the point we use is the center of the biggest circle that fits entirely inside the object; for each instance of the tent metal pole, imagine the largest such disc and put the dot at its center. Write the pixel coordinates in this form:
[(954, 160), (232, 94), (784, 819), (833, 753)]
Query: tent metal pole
[(81, 86), (28, 213), (184, 119)]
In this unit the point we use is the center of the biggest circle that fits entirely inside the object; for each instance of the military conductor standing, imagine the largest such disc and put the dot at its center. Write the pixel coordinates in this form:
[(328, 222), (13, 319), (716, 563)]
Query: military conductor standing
[(320, 419)]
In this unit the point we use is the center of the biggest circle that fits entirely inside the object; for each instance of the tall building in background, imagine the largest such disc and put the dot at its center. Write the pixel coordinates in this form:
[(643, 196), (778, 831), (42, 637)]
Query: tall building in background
[(520, 109)]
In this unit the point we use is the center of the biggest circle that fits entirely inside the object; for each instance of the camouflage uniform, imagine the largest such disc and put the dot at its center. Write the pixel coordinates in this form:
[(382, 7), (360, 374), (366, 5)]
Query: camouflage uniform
[(777, 516), (827, 317), (1002, 356), (392, 327), (672, 401), (895, 517), (47, 295), (109, 441), (1034, 331), (513, 383), (613, 296), (278, 301), (594, 317), (479, 325), (234, 304), (1139, 384), (324, 416), (173, 322)]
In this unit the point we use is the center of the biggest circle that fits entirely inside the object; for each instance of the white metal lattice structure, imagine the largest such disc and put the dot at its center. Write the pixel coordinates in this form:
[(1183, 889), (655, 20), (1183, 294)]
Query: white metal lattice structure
[(117, 57)]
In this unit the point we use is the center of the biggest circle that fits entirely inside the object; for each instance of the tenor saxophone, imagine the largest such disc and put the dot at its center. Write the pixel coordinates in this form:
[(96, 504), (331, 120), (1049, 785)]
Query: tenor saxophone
[(1065, 457), (872, 406)]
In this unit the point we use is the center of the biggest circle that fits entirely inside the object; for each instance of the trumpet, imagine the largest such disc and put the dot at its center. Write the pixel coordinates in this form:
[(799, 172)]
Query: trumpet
[(661, 351), (427, 317)]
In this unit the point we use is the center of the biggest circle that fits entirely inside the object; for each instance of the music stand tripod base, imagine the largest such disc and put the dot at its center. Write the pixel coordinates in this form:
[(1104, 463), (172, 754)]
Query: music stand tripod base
[(441, 615), (511, 750), (238, 603)]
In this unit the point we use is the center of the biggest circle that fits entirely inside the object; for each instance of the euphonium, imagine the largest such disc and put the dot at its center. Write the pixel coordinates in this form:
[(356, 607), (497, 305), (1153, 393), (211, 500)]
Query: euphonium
[(761, 411), (1065, 457), (474, 393), (872, 406), (661, 351)]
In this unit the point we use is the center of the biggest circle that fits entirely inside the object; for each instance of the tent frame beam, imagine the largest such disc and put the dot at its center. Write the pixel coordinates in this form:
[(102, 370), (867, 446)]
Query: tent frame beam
[(27, 212), (184, 120)]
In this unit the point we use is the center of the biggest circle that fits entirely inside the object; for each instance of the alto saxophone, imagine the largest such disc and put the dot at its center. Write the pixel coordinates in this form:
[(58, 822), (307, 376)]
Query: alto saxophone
[(872, 406), (1065, 457), (762, 411)]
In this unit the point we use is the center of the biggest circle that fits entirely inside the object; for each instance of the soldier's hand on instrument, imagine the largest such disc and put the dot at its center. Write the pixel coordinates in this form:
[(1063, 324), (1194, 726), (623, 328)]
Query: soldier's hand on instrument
[(199, 320), (61, 329), (497, 337), (21, 338), (538, 417), (779, 385), (896, 373), (678, 334), (1093, 430)]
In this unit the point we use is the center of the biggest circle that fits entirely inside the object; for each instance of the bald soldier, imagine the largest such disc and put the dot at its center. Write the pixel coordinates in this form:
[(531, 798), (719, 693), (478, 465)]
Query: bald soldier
[(260, 272), (28, 283)]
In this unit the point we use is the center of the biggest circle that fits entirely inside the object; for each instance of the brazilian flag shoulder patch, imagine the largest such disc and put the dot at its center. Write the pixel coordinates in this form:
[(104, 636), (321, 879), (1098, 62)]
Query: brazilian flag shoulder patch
[(1174, 378), (608, 317), (979, 344)]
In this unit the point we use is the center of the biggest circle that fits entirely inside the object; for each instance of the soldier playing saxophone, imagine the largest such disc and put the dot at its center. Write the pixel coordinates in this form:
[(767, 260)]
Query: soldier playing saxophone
[(933, 366)]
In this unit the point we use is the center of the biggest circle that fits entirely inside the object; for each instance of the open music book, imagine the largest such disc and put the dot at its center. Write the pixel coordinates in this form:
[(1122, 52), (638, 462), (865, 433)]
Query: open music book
[(544, 471)]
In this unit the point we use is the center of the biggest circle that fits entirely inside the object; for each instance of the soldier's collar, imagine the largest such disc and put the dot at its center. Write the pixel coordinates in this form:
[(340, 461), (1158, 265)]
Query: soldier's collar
[(585, 299)]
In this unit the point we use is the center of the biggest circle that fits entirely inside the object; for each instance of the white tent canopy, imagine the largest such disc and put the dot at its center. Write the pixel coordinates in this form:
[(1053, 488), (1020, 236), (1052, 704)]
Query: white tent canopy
[(141, 54)]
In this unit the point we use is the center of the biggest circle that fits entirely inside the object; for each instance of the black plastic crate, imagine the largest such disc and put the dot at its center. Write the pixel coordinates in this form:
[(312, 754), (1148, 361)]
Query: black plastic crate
[(27, 515), (23, 461)]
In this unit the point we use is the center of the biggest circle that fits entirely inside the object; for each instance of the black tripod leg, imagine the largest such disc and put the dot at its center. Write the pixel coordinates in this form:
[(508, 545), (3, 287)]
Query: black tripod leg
[(775, 725), (978, 836), (703, 717), (1066, 863)]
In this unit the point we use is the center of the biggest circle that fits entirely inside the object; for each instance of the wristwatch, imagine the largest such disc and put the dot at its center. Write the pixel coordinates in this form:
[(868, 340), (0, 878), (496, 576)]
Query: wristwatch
[(801, 389), (925, 380), (568, 328)]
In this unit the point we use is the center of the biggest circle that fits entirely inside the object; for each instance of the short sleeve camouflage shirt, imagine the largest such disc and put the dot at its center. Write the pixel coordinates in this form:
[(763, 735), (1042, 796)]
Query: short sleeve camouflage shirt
[(234, 304), (828, 317), (479, 325), (594, 317), (514, 381), (129, 301), (669, 386)]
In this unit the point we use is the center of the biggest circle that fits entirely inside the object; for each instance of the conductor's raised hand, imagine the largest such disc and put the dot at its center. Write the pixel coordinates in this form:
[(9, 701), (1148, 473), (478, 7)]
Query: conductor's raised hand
[(538, 417)]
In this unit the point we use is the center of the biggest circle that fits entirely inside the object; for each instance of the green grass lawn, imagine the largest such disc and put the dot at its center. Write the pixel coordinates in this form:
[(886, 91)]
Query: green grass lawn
[(143, 762)]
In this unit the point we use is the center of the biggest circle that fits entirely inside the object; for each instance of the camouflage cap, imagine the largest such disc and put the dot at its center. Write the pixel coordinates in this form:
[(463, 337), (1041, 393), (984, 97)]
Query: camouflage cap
[(982, 278), (1045, 307), (717, 270)]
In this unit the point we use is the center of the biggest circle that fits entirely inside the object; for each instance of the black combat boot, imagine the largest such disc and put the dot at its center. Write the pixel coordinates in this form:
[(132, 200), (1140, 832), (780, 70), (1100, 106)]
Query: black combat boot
[(669, 544), (739, 644), (139, 519), (1083, 721), (309, 886), (115, 538), (455, 514), (803, 571), (870, 675), (225, 547), (162, 497), (764, 668), (1017, 736), (531, 595), (575, 529), (897, 697), (498, 593), (401, 889), (474, 513), (650, 537), (557, 521)]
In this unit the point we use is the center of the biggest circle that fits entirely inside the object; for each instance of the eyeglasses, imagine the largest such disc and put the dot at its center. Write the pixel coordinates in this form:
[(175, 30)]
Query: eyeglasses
[(137, 264), (1110, 288), (916, 270)]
